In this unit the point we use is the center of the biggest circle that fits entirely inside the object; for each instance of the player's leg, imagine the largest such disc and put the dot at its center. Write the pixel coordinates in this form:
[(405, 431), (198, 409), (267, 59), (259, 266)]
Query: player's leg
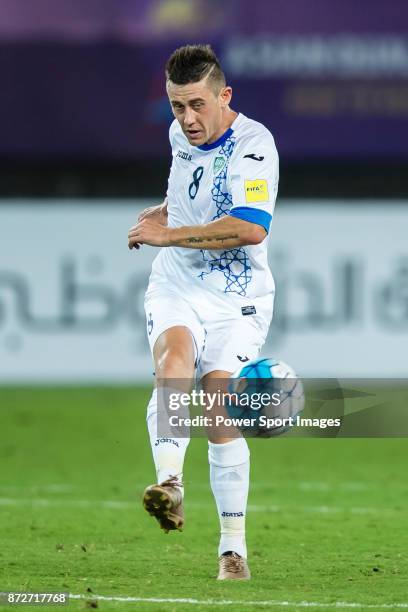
[(174, 358), (229, 344), (229, 476), (174, 334)]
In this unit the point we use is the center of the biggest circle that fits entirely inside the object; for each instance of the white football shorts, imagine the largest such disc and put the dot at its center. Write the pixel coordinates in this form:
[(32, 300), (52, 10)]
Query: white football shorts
[(225, 335)]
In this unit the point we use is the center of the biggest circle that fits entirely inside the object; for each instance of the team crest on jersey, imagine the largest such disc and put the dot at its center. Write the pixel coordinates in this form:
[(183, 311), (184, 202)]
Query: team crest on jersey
[(219, 163)]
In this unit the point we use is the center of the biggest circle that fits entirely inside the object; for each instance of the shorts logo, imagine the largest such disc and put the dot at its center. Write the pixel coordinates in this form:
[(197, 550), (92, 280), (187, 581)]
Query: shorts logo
[(232, 514), (166, 440), (248, 310), (243, 359), (219, 163), (256, 191)]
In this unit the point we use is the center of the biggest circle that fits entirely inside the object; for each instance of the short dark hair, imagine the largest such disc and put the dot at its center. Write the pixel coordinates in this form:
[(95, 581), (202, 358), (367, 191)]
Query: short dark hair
[(192, 63)]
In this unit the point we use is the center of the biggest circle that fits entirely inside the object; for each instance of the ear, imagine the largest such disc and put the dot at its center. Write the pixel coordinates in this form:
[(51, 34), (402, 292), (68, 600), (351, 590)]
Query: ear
[(225, 96)]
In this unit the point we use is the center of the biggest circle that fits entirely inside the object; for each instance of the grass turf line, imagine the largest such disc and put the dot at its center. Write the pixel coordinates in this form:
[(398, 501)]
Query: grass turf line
[(91, 444)]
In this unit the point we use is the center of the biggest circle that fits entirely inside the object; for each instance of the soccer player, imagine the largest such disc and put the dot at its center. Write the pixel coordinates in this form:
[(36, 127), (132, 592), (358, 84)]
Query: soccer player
[(210, 296)]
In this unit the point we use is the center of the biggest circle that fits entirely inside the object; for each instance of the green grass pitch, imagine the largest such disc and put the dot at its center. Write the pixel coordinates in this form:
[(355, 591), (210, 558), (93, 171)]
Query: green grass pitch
[(327, 519)]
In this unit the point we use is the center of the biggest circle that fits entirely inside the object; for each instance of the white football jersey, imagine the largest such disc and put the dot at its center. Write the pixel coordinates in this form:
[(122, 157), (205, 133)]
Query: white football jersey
[(236, 175)]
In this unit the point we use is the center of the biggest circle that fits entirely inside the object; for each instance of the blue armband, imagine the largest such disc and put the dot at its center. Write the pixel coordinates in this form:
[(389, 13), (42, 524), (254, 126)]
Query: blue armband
[(253, 215)]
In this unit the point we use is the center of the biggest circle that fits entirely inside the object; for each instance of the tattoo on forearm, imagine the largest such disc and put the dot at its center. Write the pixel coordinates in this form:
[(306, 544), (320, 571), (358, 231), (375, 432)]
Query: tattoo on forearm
[(193, 240)]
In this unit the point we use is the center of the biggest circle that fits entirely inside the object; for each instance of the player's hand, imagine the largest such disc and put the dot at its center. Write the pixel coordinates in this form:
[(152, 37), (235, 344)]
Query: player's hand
[(158, 213), (148, 231)]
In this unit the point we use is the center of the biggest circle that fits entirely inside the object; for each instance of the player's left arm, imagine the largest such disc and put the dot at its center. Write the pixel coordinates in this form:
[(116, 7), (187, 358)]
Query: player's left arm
[(253, 177)]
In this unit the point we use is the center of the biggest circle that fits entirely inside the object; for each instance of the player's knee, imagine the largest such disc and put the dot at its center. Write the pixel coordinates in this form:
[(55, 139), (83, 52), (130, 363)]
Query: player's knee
[(175, 362), (215, 438)]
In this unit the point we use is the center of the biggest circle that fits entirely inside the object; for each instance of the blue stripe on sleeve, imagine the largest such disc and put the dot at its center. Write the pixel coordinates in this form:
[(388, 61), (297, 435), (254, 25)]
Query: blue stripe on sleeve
[(253, 215)]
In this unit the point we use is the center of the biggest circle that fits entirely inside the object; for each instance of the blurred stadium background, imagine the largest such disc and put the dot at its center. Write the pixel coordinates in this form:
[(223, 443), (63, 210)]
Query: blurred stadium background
[(84, 145)]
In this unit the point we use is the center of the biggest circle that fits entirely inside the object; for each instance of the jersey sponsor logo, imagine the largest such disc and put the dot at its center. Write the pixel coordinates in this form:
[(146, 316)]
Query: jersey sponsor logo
[(219, 163), (254, 157), (232, 514), (248, 310), (256, 191), (184, 155)]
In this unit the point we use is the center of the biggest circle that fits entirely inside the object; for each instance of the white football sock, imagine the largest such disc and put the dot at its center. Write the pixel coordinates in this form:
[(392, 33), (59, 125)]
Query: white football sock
[(229, 475), (168, 451)]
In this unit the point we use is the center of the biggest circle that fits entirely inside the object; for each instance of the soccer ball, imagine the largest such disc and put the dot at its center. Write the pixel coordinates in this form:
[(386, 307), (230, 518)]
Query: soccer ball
[(265, 397)]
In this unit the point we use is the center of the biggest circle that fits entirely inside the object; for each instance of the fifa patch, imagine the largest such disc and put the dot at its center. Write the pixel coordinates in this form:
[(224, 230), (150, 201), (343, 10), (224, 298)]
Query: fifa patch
[(219, 163), (256, 191), (248, 310)]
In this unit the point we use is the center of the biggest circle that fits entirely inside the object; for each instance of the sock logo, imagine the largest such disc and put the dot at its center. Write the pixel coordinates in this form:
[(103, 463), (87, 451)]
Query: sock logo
[(232, 514), (166, 441)]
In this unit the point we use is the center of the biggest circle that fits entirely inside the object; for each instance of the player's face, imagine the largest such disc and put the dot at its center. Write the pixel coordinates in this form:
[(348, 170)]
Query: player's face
[(199, 109)]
